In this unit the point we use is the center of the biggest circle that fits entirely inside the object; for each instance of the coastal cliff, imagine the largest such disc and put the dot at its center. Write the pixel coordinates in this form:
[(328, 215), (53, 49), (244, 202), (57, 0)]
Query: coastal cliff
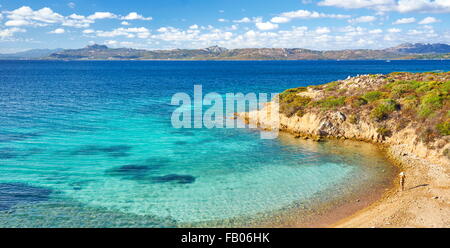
[(408, 114)]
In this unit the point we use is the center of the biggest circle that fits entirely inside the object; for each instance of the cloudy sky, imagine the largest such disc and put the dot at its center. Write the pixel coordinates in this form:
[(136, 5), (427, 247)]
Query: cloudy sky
[(156, 24)]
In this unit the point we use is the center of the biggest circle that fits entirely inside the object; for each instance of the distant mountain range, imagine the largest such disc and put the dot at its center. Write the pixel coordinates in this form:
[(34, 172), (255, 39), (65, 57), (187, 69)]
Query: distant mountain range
[(30, 54), (102, 52), (420, 48)]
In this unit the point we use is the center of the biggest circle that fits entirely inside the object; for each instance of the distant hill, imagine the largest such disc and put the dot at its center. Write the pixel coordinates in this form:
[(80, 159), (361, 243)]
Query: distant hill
[(102, 52), (419, 48), (30, 54)]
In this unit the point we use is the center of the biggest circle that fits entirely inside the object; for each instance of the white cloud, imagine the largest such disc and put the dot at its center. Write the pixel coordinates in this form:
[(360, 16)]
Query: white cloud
[(435, 6), (394, 30), (362, 19), (125, 23), (136, 16), (88, 31), (280, 19), (323, 30), (71, 5), (17, 23), (195, 26), (58, 31), (25, 16), (243, 20), (304, 14), (111, 42), (141, 32), (266, 25), (234, 27), (321, 38), (376, 31), (102, 15), (9, 32), (77, 21), (424, 32), (221, 20), (403, 6), (115, 44), (356, 4), (428, 20), (405, 20)]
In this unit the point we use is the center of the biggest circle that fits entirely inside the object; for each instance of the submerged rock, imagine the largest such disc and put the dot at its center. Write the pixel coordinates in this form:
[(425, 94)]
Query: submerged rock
[(174, 178), (12, 194)]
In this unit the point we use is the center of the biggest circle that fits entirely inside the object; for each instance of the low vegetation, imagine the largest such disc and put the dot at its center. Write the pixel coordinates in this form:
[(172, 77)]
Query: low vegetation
[(393, 102), (383, 108)]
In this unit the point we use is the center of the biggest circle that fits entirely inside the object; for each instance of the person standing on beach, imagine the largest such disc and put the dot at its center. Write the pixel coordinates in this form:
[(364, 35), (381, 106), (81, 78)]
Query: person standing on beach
[(402, 180)]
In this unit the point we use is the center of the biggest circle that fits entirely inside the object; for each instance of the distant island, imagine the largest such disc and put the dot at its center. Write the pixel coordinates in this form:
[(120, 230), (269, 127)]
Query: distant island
[(406, 51)]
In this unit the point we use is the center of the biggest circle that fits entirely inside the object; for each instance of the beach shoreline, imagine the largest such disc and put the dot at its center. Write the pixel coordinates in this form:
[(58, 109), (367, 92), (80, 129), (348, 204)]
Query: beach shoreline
[(423, 203), (339, 111)]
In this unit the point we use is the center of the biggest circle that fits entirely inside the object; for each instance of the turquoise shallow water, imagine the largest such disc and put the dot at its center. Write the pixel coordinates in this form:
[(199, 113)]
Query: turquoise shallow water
[(91, 144)]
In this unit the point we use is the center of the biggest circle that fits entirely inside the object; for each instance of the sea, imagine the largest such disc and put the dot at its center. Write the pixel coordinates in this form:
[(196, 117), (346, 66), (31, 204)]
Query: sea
[(91, 144)]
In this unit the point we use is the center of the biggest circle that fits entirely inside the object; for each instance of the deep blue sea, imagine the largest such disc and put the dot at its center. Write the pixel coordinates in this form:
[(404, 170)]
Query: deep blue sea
[(90, 144)]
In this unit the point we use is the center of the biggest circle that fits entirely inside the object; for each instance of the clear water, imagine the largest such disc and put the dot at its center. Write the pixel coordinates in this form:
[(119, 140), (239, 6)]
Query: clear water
[(91, 144)]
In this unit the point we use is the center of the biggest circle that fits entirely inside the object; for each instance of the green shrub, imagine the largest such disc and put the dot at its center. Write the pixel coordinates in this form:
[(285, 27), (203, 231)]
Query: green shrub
[(372, 96), (289, 93), (401, 89), (429, 86), (383, 109), (355, 101), (292, 103), (424, 88), (444, 128), (331, 102), (430, 103), (332, 86), (446, 87), (410, 103)]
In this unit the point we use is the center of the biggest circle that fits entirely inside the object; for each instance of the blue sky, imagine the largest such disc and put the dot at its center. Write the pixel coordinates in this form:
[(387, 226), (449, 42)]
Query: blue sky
[(168, 24)]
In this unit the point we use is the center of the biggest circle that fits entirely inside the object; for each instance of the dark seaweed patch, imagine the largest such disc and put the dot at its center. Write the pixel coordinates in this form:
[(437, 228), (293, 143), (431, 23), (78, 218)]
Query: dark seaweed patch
[(11, 153), (111, 151), (180, 143), (12, 194), (174, 178), (208, 140), (9, 137), (144, 173), (8, 153), (130, 171)]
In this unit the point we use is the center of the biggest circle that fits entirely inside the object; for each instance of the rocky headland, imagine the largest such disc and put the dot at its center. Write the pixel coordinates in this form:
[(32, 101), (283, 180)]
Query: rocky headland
[(406, 114)]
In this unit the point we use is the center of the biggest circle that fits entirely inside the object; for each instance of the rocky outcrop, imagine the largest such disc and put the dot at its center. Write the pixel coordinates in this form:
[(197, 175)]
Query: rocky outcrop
[(336, 125), (346, 123), (425, 161)]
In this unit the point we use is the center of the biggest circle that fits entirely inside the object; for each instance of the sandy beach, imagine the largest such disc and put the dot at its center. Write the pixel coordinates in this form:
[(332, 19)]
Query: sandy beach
[(425, 202)]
